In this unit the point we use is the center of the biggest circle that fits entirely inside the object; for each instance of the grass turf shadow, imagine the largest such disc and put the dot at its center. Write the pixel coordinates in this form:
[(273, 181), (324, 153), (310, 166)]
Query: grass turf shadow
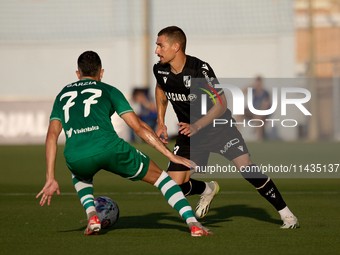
[(225, 213), (212, 220)]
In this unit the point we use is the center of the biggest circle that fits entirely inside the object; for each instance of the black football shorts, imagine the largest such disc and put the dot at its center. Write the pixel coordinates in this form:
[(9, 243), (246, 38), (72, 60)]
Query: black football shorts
[(229, 143)]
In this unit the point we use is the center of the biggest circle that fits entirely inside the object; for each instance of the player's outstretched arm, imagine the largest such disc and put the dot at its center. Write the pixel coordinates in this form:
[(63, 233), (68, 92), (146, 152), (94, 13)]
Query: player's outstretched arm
[(145, 132), (161, 103), (51, 184)]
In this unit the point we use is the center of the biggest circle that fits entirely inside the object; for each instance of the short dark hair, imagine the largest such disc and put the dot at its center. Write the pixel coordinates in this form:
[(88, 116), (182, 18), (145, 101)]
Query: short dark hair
[(89, 64), (175, 34)]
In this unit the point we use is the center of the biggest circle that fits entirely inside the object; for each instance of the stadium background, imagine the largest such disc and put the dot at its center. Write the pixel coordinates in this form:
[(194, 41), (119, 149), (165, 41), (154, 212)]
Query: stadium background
[(40, 41)]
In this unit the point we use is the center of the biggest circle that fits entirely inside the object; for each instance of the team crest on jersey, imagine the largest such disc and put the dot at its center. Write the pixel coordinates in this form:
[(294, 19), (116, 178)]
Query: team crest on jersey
[(187, 81)]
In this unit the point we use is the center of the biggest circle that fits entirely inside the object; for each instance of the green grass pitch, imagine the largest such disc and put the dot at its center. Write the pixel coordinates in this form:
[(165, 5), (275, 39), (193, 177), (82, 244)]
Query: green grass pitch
[(243, 221)]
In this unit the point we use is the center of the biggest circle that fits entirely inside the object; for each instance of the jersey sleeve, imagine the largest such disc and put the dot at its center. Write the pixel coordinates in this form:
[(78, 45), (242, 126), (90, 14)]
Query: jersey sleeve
[(157, 76), (120, 104), (207, 73), (55, 114)]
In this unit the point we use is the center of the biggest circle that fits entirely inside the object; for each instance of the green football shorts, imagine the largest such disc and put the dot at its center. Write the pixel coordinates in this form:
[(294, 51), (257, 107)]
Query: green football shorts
[(122, 159)]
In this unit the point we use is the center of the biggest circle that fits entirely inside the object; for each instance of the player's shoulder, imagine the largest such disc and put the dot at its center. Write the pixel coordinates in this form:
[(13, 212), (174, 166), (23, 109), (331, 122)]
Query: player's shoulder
[(197, 64), (114, 91), (160, 69), (106, 86)]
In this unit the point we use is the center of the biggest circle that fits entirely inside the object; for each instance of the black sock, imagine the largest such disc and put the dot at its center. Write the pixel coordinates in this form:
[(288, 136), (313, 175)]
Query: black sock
[(264, 185), (272, 194), (193, 187)]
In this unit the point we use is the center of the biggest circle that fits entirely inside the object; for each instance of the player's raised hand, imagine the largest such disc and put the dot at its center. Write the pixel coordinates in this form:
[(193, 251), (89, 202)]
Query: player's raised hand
[(48, 190), (162, 130)]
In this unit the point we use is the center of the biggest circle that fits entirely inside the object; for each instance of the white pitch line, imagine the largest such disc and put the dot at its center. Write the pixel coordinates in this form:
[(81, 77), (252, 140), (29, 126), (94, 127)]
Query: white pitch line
[(158, 193)]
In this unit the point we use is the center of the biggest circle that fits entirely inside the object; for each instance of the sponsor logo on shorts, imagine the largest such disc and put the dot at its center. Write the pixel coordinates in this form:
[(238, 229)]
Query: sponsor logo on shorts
[(229, 144), (138, 151)]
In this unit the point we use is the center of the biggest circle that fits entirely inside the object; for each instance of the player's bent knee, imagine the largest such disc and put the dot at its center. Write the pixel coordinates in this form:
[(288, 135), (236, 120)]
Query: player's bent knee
[(154, 172), (243, 160), (179, 177), (253, 175)]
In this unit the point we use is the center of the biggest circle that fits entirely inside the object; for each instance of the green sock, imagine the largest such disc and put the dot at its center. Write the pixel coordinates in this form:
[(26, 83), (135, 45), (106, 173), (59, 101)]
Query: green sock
[(85, 193), (175, 197)]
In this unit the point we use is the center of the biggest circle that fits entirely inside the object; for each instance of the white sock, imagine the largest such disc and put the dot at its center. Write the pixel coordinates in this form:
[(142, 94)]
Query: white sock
[(91, 213), (208, 188), (285, 212)]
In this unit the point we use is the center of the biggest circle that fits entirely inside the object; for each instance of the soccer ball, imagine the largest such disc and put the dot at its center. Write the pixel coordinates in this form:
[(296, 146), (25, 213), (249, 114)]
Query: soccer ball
[(108, 211)]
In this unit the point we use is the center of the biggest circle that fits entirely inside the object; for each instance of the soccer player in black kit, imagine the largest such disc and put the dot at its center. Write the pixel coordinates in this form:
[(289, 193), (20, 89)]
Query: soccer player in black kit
[(174, 73)]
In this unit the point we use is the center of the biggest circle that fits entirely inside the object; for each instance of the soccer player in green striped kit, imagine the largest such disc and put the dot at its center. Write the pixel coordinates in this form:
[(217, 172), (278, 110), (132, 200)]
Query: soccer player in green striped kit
[(84, 109)]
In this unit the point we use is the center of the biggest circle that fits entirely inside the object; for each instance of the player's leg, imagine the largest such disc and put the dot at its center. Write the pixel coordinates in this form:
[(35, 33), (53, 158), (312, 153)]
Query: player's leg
[(211, 188), (266, 187), (235, 150), (181, 174), (190, 186), (132, 164), (175, 197), (84, 188), (85, 193)]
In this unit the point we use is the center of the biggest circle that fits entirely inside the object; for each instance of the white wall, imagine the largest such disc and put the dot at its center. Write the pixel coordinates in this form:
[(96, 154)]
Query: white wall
[(39, 71), (245, 57)]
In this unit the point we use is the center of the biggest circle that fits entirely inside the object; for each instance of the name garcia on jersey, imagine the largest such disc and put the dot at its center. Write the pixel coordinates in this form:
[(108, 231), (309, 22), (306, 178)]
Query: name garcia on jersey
[(80, 83)]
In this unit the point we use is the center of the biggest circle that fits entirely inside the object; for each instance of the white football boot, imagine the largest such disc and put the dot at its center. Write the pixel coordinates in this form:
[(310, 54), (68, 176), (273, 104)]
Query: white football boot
[(203, 205), (290, 222)]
